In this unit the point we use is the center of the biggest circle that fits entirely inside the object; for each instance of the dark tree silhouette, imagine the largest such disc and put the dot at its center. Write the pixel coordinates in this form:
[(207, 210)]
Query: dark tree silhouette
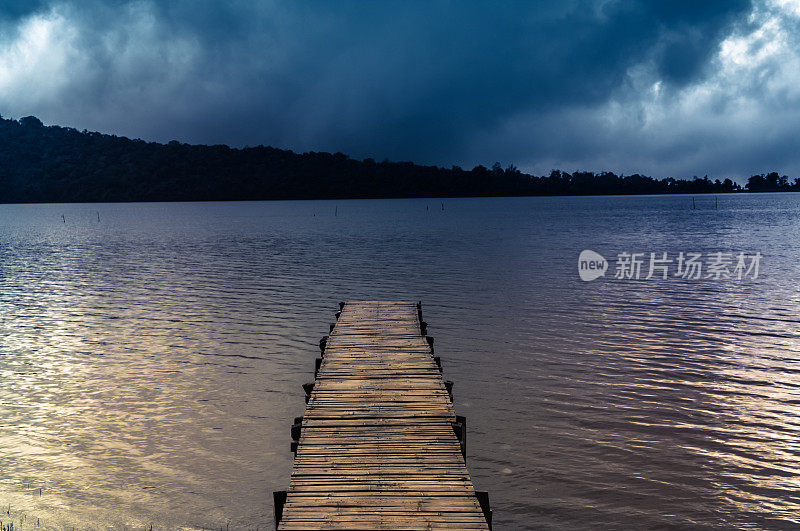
[(41, 163), (771, 182)]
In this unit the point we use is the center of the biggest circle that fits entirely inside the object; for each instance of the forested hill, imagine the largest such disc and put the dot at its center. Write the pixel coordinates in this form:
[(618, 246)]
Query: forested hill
[(41, 163)]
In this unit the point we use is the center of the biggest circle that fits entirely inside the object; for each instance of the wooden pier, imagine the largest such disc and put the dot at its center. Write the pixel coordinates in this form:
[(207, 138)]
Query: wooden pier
[(379, 446)]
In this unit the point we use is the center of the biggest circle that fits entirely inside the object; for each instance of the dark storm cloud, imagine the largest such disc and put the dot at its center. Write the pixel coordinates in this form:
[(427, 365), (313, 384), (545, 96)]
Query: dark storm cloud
[(438, 82), (13, 9)]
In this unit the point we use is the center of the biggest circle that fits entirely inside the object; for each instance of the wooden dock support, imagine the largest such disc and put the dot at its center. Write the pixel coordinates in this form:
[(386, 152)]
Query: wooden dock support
[(379, 446)]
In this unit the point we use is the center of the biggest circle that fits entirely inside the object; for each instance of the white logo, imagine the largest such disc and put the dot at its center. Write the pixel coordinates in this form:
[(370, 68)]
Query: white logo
[(690, 266), (591, 265)]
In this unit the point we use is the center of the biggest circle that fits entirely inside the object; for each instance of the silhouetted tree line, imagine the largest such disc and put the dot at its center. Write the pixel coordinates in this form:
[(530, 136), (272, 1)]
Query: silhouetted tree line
[(772, 182), (41, 163)]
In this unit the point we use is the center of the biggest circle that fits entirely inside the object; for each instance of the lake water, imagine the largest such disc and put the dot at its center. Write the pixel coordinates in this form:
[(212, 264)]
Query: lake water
[(151, 360)]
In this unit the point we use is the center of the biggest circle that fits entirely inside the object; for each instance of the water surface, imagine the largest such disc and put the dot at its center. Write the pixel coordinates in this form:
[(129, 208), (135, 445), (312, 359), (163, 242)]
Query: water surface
[(151, 360)]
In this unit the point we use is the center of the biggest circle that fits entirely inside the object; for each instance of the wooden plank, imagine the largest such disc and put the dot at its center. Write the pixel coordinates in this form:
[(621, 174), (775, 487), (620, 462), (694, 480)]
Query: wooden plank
[(377, 448)]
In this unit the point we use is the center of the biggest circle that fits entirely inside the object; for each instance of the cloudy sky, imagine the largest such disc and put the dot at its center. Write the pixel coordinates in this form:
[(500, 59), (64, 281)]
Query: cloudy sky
[(660, 87)]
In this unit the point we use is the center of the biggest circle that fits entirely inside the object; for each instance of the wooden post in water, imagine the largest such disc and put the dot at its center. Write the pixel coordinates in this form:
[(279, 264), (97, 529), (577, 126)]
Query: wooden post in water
[(380, 446)]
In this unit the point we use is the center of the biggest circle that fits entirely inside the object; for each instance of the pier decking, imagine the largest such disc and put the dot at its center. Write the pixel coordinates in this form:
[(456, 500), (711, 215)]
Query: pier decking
[(379, 446)]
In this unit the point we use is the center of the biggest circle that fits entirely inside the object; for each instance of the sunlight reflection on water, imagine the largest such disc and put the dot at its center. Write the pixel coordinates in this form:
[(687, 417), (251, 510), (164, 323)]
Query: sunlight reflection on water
[(152, 361)]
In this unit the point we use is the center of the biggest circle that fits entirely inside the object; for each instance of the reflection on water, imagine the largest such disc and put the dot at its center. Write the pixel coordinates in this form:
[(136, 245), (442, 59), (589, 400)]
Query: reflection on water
[(150, 363)]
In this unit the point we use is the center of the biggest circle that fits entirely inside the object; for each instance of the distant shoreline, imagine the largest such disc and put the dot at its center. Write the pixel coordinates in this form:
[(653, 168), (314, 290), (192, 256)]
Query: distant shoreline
[(52, 164), (438, 198)]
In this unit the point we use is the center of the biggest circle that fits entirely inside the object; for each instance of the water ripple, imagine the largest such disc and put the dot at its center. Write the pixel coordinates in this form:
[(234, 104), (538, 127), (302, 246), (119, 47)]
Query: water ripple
[(151, 363)]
